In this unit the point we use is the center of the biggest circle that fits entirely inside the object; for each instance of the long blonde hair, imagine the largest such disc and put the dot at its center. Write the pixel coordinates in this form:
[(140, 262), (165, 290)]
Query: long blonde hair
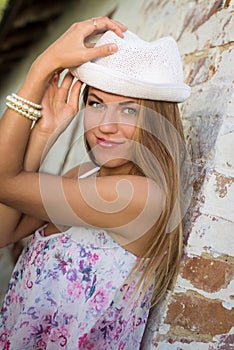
[(160, 132), (161, 159)]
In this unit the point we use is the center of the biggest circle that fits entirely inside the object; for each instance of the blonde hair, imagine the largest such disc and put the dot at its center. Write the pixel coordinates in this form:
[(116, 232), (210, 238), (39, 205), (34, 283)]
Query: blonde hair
[(160, 132), (161, 159)]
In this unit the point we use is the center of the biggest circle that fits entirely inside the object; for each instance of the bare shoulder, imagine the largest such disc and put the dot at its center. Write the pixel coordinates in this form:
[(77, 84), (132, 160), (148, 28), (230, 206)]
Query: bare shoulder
[(141, 187), (148, 195), (137, 203)]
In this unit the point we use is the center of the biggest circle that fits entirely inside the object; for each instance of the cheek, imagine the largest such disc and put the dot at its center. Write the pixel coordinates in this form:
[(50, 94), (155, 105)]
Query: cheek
[(129, 126), (90, 121), (130, 131), (87, 123), (88, 126)]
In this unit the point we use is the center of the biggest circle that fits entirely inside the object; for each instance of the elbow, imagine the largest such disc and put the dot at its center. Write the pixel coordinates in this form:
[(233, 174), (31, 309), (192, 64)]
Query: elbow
[(3, 187), (5, 241), (7, 189), (7, 238)]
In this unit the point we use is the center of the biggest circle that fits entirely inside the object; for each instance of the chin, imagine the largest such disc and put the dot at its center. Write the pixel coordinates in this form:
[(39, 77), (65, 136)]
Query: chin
[(111, 160), (113, 163)]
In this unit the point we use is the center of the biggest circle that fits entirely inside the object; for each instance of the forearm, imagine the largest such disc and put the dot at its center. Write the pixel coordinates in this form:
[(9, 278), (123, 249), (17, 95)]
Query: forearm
[(38, 76), (10, 218), (15, 225), (41, 138), (14, 134), (37, 148), (14, 128), (12, 227)]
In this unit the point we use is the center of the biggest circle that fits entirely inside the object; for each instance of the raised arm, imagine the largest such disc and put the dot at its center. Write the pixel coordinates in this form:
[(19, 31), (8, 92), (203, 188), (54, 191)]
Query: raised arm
[(128, 205), (57, 112)]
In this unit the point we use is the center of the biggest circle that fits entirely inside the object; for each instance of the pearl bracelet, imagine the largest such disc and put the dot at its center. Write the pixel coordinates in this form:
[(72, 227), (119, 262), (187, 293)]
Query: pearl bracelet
[(32, 104), (23, 107), (16, 109)]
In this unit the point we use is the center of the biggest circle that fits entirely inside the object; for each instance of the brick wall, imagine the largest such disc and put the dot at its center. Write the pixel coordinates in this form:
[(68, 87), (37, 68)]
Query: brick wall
[(198, 314)]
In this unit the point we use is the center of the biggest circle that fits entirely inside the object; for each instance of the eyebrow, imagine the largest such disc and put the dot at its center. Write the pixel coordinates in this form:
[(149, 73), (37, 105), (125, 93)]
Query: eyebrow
[(101, 100)]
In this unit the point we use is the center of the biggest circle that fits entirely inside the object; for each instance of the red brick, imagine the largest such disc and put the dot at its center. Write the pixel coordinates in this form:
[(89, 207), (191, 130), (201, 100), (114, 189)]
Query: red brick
[(199, 314), (209, 275)]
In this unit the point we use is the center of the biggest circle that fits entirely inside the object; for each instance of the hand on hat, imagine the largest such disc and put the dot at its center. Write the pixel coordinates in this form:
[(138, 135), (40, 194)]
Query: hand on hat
[(72, 49)]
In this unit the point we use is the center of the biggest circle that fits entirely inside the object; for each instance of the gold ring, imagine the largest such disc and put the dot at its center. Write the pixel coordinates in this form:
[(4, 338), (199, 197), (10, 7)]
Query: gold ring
[(94, 22)]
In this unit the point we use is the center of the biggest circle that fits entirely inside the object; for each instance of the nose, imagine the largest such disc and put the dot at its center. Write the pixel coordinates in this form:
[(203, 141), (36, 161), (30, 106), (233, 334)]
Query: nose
[(108, 123)]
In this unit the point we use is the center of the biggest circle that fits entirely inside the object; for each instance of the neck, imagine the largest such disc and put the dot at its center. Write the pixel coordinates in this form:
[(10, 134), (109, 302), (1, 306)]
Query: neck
[(124, 169)]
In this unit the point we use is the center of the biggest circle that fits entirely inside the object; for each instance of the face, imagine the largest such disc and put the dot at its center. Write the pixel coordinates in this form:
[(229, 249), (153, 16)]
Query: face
[(110, 125)]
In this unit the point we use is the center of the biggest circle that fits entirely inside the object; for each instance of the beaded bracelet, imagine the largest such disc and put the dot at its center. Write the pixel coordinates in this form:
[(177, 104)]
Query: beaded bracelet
[(32, 104), (16, 109), (23, 107)]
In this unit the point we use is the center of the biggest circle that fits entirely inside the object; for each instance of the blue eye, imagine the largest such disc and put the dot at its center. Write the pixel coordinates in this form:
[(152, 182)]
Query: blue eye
[(130, 111)]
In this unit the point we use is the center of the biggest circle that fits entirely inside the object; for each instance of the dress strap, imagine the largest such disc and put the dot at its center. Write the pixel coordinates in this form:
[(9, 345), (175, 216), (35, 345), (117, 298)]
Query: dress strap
[(90, 172)]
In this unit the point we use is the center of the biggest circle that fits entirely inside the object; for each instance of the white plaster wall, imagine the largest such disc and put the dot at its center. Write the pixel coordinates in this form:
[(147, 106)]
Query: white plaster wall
[(205, 38)]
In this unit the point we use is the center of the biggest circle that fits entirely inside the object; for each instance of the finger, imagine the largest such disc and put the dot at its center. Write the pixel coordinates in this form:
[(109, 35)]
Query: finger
[(103, 50), (74, 95), (54, 79), (115, 26), (89, 45), (101, 24), (121, 25), (67, 81), (64, 87)]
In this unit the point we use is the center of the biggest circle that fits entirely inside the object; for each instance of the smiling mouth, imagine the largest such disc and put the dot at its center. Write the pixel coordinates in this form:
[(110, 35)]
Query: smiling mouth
[(108, 143)]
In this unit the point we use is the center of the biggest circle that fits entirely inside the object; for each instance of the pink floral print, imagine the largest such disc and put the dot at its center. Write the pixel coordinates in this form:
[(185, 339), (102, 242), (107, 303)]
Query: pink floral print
[(69, 291)]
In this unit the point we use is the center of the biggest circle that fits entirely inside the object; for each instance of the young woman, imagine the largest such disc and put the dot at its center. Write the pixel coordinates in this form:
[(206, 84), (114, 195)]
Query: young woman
[(108, 236)]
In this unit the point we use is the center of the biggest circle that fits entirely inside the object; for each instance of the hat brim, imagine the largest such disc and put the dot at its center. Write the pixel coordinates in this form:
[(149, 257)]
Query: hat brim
[(101, 78)]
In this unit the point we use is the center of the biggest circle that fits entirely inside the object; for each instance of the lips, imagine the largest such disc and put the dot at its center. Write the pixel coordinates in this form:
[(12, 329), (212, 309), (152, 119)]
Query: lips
[(108, 143)]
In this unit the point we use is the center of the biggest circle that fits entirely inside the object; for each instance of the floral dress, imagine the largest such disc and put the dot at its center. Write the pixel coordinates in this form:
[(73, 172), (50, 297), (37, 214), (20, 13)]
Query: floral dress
[(69, 291)]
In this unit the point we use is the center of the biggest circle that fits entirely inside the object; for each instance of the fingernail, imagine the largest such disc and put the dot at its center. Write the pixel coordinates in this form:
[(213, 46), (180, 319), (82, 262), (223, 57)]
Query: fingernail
[(113, 48)]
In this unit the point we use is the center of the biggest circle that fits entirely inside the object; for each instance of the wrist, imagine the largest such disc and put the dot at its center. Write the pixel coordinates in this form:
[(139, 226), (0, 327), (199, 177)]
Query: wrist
[(36, 81), (43, 67), (44, 135)]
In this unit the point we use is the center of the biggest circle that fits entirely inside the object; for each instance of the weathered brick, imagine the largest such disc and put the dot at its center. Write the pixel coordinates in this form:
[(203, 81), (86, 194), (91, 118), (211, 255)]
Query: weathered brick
[(219, 195), (199, 314), (211, 234), (222, 184), (209, 275)]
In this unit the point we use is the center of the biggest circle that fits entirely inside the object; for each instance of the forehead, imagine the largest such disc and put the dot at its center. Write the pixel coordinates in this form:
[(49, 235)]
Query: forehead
[(110, 98)]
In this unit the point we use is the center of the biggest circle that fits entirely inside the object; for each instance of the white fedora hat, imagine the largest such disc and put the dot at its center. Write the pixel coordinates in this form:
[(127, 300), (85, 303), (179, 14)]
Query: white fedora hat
[(140, 69)]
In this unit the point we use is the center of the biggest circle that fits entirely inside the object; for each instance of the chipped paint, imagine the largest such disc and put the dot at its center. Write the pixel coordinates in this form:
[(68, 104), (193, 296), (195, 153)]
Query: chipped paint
[(223, 183), (196, 56), (226, 5), (227, 305), (214, 9), (223, 295)]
